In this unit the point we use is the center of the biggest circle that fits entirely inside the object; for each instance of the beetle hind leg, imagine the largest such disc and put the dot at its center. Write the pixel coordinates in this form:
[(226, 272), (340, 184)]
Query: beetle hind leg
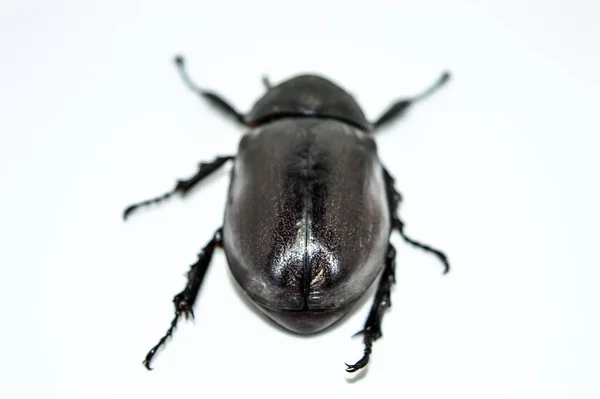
[(372, 330), (184, 301)]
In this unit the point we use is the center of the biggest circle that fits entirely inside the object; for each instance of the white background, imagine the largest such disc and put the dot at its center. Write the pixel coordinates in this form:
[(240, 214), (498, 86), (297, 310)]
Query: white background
[(499, 169)]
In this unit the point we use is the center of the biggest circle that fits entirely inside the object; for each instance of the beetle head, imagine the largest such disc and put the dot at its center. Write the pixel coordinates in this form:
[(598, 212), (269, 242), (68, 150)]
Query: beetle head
[(311, 96)]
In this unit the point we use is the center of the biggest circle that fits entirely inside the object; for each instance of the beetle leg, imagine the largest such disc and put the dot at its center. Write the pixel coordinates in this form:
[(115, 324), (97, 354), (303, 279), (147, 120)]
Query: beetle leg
[(214, 99), (394, 199), (182, 186), (399, 107), (399, 225), (372, 330), (184, 301)]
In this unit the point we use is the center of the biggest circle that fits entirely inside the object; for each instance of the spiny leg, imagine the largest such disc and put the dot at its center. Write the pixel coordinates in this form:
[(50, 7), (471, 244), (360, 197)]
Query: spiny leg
[(394, 198), (397, 109), (372, 329), (182, 186), (214, 99), (184, 301), (399, 225)]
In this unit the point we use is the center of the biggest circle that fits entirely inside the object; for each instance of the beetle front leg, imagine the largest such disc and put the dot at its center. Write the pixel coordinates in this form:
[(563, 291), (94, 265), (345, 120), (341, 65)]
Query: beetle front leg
[(399, 107), (182, 186), (214, 99), (372, 330), (184, 301)]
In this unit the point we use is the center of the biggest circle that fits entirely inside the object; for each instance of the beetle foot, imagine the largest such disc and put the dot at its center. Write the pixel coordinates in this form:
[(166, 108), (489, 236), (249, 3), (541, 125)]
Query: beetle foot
[(128, 211), (358, 365), (368, 341), (181, 308), (133, 207), (149, 357), (161, 342)]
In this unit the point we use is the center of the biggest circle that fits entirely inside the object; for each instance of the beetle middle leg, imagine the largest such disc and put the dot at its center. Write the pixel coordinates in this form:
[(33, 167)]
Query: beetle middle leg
[(372, 330), (399, 107), (394, 199), (183, 186), (184, 301), (399, 225)]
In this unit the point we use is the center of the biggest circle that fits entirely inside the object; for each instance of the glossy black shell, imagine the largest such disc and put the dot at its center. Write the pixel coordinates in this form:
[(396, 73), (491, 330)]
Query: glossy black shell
[(308, 95), (307, 221)]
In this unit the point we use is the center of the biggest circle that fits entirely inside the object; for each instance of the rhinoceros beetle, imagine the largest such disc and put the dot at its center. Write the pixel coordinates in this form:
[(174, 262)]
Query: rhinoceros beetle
[(310, 208)]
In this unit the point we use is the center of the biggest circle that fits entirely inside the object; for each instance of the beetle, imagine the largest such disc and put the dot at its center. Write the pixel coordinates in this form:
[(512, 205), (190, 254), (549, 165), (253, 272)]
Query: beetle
[(310, 208)]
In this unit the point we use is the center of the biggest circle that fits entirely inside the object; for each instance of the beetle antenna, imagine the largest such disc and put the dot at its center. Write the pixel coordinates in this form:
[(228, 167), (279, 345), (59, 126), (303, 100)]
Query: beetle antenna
[(214, 99)]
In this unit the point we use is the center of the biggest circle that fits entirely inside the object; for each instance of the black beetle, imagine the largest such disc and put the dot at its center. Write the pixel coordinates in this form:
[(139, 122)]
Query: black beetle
[(310, 208)]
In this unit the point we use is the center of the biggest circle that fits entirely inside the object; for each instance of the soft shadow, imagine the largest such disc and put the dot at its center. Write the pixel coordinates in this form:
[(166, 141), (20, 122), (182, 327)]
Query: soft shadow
[(352, 378)]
